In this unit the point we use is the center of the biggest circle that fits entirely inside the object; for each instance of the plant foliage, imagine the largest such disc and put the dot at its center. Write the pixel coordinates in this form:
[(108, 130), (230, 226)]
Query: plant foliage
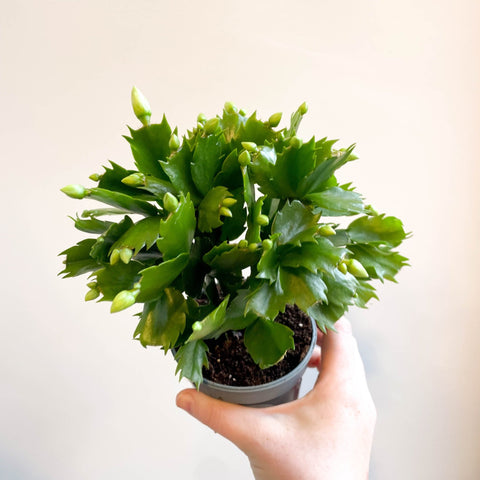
[(223, 228)]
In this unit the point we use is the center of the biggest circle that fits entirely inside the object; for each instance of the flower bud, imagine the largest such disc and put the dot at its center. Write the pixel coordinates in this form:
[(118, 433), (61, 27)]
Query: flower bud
[(201, 118), (226, 212), (229, 107), (274, 119), (267, 244), (244, 158), (326, 230), (92, 285), (92, 294), (126, 254), (303, 108), (141, 107), (211, 125), (262, 220), (174, 142), (242, 112), (356, 268), (250, 146), (170, 202), (134, 180), (228, 202), (252, 247), (197, 326), (114, 256), (123, 300), (75, 191), (243, 244), (95, 177), (342, 266), (296, 142)]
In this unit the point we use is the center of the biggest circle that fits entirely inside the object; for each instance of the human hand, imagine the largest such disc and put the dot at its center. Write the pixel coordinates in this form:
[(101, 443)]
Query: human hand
[(326, 435)]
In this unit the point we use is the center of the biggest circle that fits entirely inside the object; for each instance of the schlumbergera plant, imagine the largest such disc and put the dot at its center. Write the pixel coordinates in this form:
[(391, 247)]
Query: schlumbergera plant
[(223, 229)]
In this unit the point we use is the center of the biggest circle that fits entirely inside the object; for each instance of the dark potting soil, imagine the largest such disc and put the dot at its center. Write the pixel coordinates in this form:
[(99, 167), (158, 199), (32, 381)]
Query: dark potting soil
[(231, 364)]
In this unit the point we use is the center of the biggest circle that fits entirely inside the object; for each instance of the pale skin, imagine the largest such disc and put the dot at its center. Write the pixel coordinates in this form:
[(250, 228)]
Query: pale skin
[(326, 435)]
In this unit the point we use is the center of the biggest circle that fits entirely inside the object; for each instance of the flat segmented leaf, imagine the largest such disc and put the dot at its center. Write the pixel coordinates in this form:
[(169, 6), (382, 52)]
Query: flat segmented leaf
[(377, 229), (178, 170), (149, 146), (144, 233), (207, 327), (296, 224), (191, 358), (162, 321), (78, 260), (267, 342), (206, 162), (155, 279), (113, 279), (336, 201), (123, 201), (178, 229)]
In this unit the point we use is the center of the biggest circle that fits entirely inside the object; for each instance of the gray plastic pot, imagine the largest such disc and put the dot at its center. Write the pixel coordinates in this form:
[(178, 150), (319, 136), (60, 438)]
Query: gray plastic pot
[(282, 390)]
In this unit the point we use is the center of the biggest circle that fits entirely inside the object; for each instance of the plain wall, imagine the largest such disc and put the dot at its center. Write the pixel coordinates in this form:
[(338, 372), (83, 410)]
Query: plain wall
[(79, 399)]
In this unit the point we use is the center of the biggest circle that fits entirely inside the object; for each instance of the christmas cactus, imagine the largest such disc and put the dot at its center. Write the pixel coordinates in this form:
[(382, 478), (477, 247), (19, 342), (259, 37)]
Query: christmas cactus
[(222, 228)]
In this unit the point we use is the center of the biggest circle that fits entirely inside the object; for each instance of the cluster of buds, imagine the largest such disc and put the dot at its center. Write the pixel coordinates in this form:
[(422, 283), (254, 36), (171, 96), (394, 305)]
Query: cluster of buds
[(354, 267), (93, 293), (224, 209), (124, 254)]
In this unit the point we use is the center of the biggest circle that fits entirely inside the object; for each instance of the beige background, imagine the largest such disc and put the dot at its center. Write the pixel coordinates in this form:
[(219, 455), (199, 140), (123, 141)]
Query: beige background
[(79, 399)]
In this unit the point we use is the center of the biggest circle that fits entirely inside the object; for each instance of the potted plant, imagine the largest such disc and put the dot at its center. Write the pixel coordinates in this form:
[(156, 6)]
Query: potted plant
[(233, 240)]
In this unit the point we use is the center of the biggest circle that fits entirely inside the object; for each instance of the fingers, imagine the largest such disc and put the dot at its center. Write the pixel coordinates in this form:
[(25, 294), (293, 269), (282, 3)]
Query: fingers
[(340, 358), (234, 422)]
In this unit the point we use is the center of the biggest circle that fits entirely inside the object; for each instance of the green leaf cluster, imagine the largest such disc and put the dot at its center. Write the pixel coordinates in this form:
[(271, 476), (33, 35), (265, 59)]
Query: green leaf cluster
[(223, 227)]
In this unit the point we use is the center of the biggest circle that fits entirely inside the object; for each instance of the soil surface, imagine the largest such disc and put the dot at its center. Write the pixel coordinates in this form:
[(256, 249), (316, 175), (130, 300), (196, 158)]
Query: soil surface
[(231, 364)]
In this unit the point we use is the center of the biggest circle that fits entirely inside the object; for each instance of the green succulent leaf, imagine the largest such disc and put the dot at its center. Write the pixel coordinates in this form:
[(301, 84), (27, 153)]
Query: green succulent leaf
[(291, 167), (112, 178), (319, 177), (91, 225), (256, 131), (210, 324), (336, 201), (113, 279), (365, 292), (149, 146), (235, 258), (178, 169), (191, 358), (162, 321), (155, 279), (235, 316), (101, 248), (296, 224), (123, 201), (377, 229), (379, 261), (209, 209), (266, 300), (325, 315), (267, 342), (207, 160), (144, 233), (78, 260), (321, 255), (302, 287), (178, 229)]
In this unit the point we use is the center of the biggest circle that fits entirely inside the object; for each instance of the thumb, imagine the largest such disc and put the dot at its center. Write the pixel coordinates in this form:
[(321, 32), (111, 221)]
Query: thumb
[(234, 422)]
